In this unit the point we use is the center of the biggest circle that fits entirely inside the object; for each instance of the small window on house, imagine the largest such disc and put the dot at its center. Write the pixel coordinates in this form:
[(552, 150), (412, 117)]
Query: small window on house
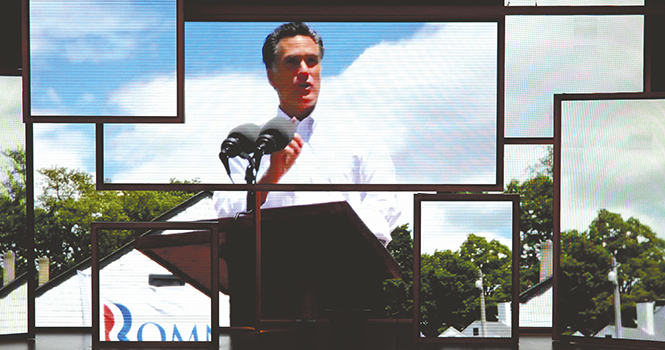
[(164, 280), (476, 332)]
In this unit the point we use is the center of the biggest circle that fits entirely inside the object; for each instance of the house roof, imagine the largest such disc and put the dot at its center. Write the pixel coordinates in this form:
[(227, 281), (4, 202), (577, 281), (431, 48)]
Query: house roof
[(536, 290), (492, 329), (170, 214), (13, 285)]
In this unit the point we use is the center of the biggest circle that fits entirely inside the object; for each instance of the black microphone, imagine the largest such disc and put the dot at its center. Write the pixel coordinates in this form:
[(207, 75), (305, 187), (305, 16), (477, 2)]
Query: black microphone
[(240, 139), (275, 135)]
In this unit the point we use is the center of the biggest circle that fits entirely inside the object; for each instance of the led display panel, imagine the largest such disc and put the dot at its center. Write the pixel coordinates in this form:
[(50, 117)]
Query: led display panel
[(465, 268), (152, 304), (612, 228), (400, 103), (13, 249), (585, 54), (88, 60)]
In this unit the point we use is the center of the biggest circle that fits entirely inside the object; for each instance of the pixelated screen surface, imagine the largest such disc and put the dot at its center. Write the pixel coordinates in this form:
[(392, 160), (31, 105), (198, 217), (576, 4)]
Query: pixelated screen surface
[(585, 54), (422, 96), (612, 210), (466, 244), (14, 290), (97, 58), (612, 157)]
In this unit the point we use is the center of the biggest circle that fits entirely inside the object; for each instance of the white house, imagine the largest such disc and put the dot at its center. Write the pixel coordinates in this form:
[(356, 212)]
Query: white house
[(141, 300), (650, 324), (14, 307), (500, 328), (536, 302)]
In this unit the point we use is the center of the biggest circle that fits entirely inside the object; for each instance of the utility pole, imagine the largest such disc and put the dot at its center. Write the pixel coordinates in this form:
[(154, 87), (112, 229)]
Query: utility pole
[(483, 318), (614, 278)]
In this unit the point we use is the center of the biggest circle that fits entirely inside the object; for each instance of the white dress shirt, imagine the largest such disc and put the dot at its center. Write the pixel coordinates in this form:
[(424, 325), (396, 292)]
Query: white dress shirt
[(331, 154)]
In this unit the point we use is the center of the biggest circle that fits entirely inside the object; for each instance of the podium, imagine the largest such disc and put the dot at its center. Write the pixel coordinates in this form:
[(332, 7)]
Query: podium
[(315, 259)]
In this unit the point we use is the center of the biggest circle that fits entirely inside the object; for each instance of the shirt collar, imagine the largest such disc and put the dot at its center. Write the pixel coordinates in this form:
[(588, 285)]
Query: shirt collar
[(304, 128)]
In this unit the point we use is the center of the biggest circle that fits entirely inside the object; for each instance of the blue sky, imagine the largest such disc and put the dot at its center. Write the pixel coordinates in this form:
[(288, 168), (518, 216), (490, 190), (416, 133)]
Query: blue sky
[(84, 51), (212, 48)]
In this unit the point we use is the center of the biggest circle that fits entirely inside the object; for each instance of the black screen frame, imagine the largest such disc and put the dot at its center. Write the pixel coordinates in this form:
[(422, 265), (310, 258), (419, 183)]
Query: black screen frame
[(201, 12)]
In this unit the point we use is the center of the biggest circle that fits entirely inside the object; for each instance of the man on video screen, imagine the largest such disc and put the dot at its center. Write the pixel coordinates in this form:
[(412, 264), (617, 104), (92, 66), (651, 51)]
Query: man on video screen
[(322, 151)]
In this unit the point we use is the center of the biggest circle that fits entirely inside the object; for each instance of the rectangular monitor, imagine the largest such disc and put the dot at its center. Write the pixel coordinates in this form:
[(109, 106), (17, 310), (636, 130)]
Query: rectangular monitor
[(90, 61), (466, 268), (612, 230), (403, 105)]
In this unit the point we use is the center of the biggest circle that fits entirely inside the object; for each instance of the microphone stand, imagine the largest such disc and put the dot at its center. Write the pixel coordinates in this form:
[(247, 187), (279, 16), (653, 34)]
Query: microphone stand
[(250, 178)]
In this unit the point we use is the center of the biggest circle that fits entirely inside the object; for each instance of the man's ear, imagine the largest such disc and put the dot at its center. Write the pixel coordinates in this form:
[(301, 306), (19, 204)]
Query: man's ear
[(270, 74)]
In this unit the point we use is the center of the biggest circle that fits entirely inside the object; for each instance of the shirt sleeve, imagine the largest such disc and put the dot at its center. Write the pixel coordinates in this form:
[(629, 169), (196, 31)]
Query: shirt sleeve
[(228, 203), (379, 210)]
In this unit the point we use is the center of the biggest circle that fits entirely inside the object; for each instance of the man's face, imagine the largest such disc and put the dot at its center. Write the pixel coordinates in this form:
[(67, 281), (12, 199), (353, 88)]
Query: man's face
[(296, 75)]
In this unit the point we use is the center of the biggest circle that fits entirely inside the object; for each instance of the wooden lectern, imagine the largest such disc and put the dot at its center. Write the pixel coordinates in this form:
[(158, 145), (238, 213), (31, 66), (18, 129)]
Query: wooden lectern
[(315, 258)]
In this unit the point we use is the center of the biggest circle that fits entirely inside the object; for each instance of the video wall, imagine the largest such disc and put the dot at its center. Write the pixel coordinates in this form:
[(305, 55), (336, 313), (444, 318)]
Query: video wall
[(439, 102)]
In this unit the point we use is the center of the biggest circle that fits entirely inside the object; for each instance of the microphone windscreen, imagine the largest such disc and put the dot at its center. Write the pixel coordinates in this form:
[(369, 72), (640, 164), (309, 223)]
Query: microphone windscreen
[(281, 129), (246, 135)]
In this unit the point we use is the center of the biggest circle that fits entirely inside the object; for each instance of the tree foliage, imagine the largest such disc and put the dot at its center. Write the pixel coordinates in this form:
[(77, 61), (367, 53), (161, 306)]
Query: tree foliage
[(66, 207), (398, 293), (587, 258), (448, 293), (12, 207), (448, 296), (536, 223)]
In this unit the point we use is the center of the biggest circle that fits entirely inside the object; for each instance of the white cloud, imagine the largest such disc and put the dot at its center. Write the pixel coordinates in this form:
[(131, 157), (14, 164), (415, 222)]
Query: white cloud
[(152, 153), (613, 157), (522, 161), (446, 225), (94, 31), (566, 54), (157, 97), (433, 97), (64, 145), (12, 131)]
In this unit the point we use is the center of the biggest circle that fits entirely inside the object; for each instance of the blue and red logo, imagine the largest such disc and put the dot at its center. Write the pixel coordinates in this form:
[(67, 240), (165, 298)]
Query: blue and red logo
[(118, 324)]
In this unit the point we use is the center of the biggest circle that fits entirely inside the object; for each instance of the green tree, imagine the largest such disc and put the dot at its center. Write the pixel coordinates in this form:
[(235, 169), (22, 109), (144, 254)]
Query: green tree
[(493, 259), (587, 258), (585, 289), (71, 204), (448, 293), (399, 292), (65, 209), (536, 224)]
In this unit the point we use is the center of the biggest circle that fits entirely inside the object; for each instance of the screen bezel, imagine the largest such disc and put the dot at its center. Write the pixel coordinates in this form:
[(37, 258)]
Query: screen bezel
[(557, 323), (179, 117), (515, 278), (215, 13)]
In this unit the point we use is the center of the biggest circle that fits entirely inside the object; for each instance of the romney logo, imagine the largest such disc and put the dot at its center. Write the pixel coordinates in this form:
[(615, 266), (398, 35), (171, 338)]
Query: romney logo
[(118, 322)]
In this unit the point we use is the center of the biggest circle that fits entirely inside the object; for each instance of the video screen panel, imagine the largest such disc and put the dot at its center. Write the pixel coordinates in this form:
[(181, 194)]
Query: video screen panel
[(414, 104), (89, 60), (585, 54), (467, 271), (612, 226), (158, 302)]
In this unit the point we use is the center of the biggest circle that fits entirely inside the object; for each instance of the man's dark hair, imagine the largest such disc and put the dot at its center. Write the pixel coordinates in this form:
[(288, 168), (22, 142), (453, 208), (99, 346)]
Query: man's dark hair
[(287, 30)]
